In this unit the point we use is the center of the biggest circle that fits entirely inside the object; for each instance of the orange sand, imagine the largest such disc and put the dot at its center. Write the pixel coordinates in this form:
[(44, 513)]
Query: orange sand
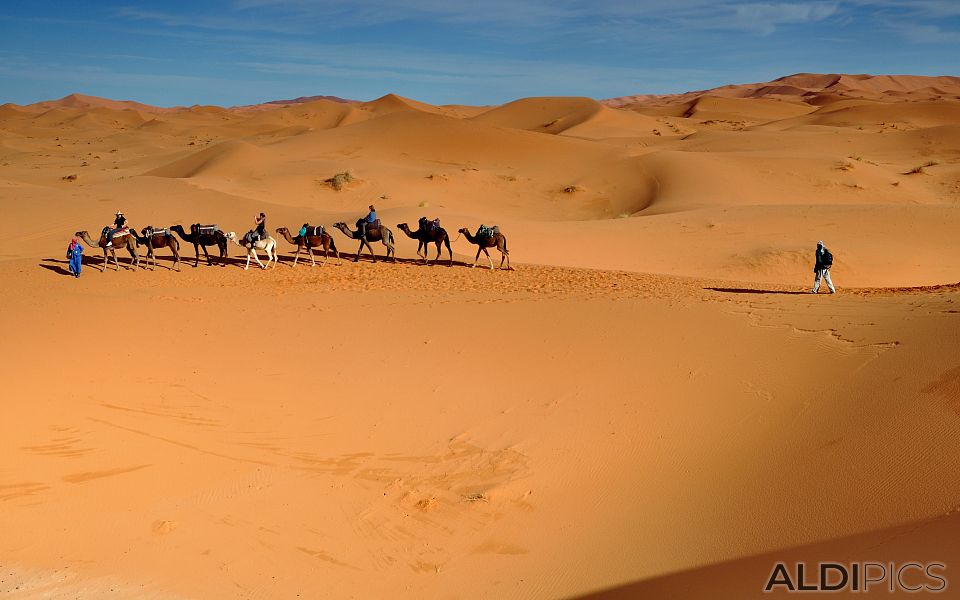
[(646, 407)]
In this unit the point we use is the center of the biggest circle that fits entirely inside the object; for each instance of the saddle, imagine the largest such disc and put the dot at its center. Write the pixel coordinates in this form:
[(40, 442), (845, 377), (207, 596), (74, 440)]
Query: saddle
[(152, 231), (315, 230), (204, 229), (370, 226), (116, 232), (429, 226), (487, 232)]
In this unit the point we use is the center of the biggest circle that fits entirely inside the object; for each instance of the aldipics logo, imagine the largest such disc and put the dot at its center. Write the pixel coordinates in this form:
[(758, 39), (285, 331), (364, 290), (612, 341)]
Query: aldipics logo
[(858, 577)]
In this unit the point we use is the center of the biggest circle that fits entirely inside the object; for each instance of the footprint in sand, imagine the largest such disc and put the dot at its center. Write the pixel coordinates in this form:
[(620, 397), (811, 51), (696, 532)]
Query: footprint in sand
[(163, 527)]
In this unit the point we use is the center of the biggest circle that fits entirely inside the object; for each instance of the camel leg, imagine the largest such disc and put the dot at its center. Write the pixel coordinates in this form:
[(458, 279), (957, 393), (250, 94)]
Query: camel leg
[(373, 254), (253, 252), (359, 250), (313, 261), (196, 249), (272, 255), (206, 255), (449, 251), (477, 257), (490, 260), (336, 252), (247, 266), (116, 261), (296, 256)]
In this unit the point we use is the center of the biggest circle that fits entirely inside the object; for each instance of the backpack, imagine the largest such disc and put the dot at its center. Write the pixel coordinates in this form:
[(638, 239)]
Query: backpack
[(827, 258)]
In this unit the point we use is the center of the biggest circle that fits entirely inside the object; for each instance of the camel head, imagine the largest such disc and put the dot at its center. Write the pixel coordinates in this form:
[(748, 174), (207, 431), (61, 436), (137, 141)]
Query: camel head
[(283, 230), (340, 225), (232, 237), (403, 227), (81, 234), (463, 230)]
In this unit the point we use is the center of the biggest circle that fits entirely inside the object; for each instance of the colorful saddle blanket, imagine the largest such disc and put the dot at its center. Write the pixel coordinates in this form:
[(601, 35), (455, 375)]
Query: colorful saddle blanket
[(115, 233)]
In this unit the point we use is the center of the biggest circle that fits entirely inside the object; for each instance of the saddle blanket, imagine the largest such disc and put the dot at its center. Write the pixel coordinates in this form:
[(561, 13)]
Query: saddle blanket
[(429, 226), (164, 232), (205, 228), (486, 232), (315, 231)]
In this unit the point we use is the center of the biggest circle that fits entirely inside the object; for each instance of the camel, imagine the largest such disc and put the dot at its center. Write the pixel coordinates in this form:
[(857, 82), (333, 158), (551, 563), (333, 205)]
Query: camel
[(383, 234), (437, 235), (202, 239), (325, 241), (154, 238), (267, 244), (120, 240), (497, 239)]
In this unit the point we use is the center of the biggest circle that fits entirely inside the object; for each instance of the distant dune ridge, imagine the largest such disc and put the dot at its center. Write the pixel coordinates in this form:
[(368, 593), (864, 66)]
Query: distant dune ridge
[(813, 88)]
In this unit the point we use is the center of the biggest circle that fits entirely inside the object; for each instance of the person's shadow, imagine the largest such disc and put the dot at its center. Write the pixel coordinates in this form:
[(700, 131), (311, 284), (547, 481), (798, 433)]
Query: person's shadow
[(57, 266), (751, 291)]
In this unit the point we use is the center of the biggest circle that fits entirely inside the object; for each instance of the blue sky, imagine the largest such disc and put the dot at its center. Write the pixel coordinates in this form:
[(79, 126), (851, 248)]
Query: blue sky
[(230, 52)]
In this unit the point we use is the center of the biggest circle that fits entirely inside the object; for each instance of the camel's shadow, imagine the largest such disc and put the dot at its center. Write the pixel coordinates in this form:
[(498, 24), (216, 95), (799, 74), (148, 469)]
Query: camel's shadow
[(59, 266)]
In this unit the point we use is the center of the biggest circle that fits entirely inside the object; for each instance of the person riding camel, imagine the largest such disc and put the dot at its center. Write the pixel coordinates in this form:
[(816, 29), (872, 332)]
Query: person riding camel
[(118, 223), (260, 231), (370, 219)]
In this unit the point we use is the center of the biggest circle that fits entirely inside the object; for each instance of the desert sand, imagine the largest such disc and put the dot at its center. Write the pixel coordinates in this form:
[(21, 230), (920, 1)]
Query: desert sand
[(650, 405)]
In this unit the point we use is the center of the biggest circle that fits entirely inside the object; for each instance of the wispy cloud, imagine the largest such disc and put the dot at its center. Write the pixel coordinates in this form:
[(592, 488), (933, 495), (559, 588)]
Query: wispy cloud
[(926, 34), (559, 16)]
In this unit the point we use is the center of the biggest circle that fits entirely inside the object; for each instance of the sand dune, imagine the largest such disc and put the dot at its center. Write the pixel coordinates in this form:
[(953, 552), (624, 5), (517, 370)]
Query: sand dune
[(718, 108), (650, 405), (812, 88)]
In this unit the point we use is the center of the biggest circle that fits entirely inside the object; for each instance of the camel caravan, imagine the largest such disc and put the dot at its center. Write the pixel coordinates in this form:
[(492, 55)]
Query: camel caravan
[(309, 238)]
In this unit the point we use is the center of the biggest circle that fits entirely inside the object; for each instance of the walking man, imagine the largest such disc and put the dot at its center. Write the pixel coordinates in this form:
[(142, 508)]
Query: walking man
[(821, 270)]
